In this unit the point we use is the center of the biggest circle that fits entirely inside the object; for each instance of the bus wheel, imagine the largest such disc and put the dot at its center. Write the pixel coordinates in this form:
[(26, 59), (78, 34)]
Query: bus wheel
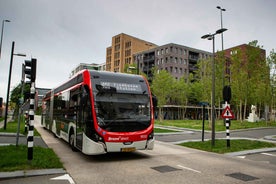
[(72, 141)]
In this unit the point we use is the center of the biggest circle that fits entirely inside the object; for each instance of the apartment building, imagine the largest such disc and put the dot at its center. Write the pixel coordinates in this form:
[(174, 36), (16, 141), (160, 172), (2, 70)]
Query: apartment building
[(92, 66), (121, 51), (244, 51), (178, 60)]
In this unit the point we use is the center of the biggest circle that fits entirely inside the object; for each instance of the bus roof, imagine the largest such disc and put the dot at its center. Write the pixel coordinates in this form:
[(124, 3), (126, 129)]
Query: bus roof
[(78, 78)]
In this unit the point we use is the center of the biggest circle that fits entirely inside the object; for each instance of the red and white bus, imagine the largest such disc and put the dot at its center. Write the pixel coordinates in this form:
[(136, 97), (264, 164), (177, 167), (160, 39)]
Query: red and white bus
[(99, 112)]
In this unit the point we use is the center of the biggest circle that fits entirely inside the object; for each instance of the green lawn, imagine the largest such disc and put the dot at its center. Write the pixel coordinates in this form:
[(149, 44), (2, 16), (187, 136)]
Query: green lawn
[(11, 127), (15, 158), (235, 145), (161, 130), (219, 124)]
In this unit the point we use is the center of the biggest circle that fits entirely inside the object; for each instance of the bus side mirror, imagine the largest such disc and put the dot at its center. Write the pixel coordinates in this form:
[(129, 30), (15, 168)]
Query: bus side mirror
[(154, 101)]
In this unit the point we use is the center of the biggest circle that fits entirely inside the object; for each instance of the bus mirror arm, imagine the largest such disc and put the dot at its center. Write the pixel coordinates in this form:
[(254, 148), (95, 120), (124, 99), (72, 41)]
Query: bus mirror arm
[(154, 101)]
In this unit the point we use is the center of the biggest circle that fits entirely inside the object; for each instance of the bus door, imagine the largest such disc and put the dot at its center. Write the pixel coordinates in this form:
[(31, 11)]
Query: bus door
[(84, 116)]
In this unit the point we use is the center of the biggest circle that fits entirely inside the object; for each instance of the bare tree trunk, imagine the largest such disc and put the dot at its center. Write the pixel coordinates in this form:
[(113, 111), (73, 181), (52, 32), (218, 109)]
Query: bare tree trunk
[(241, 110), (244, 112), (259, 109), (160, 114)]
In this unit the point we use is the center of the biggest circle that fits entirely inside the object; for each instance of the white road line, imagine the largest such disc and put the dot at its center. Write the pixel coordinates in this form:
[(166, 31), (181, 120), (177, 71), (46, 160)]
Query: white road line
[(269, 154), (241, 156), (64, 177), (190, 169)]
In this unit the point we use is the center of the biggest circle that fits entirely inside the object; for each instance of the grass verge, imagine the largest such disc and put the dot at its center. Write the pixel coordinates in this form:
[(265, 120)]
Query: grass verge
[(15, 158), (235, 145), (11, 127), (161, 130)]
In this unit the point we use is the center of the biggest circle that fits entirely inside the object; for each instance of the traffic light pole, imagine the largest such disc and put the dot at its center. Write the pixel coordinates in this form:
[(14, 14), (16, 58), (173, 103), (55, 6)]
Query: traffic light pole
[(30, 71), (30, 138)]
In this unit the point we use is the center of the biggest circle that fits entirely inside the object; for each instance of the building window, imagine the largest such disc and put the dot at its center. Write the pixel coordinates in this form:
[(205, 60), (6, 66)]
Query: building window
[(128, 52), (233, 52), (158, 52), (117, 47), (128, 60), (117, 40), (185, 61), (116, 55), (128, 44)]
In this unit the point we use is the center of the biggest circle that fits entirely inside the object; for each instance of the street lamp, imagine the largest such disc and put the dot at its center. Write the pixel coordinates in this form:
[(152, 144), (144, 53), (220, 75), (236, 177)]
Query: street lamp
[(2, 35), (222, 48), (221, 25), (9, 82), (212, 37)]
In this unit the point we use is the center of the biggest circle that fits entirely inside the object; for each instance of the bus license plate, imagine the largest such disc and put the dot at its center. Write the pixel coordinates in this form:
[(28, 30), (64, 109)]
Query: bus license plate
[(128, 149)]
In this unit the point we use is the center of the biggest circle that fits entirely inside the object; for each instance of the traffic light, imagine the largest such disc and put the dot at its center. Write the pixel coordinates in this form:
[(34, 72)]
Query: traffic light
[(30, 69)]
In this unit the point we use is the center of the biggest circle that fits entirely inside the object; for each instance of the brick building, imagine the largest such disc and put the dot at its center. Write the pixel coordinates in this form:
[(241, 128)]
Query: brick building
[(120, 53)]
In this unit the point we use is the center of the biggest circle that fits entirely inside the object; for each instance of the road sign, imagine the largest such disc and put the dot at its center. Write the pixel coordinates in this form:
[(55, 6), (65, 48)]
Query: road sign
[(227, 113)]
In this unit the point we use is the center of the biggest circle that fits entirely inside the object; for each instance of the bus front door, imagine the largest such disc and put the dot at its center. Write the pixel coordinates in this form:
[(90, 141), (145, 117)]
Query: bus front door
[(79, 123), (84, 116)]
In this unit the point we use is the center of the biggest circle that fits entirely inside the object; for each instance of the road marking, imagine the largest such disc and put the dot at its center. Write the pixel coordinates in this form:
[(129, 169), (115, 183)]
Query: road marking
[(269, 154), (64, 177), (190, 169), (241, 156)]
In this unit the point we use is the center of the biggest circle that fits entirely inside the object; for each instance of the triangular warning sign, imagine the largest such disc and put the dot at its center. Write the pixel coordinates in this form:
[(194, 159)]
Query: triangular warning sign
[(227, 113)]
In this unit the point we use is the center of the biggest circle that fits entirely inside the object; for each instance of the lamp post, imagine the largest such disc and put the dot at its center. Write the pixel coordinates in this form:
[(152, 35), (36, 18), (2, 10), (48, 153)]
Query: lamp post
[(9, 82), (222, 46), (212, 37), (2, 35), (221, 24)]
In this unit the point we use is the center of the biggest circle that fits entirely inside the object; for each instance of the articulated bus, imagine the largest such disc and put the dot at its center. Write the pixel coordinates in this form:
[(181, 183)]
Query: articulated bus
[(99, 112)]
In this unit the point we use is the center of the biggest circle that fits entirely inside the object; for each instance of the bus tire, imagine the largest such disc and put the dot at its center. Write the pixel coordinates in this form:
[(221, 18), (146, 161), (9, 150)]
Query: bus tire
[(72, 141)]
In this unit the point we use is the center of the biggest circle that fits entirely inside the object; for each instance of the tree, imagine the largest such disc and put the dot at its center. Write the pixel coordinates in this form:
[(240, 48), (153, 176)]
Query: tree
[(162, 88), (271, 61), (131, 68), (16, 95)]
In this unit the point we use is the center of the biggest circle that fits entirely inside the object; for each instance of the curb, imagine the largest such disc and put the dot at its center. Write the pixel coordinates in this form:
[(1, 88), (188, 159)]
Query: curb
[(30, 173), (248, 152)]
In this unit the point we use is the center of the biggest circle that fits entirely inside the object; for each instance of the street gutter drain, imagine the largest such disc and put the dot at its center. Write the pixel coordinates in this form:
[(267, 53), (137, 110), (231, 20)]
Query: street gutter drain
[(241, 176), (165, 168)]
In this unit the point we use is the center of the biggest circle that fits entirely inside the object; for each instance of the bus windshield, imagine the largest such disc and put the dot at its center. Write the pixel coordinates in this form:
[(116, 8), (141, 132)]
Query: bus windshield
[(122, 107)]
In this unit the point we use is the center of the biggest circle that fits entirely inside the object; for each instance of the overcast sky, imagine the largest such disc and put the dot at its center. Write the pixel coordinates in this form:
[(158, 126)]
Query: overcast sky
[(63, 33)]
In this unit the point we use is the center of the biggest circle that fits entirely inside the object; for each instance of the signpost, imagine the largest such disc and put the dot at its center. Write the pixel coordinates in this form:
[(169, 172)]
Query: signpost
[(203, 104), (227, 114)]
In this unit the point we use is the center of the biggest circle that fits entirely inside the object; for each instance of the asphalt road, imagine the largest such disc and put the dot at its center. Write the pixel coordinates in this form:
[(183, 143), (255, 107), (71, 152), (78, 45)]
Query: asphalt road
[(167, 163), (188, 135)]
